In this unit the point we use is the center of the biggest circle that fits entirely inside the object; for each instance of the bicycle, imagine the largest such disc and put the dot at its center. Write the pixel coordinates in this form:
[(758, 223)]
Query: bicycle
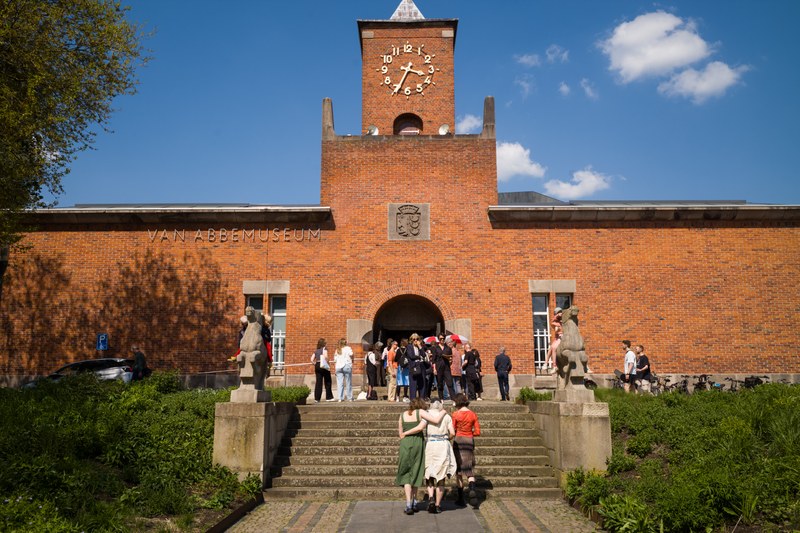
[(616, 381), (734, 384), (702, 382), (752, 382), (658, 384), (681, 386)]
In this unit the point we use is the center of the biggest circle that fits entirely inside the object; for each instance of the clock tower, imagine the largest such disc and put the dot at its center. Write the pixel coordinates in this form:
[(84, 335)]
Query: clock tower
[(407, 73)]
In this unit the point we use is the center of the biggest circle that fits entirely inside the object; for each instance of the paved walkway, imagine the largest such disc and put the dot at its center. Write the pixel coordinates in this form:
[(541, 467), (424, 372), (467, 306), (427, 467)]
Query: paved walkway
[(495, 515)]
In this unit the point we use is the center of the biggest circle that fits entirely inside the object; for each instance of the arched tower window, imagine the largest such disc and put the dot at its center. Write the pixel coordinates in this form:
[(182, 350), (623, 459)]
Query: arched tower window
[(407, 124)]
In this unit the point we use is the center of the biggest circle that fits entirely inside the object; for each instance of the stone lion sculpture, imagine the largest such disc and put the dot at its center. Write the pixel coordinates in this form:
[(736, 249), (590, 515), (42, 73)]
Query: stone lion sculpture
[(571, 356), (252, 356)]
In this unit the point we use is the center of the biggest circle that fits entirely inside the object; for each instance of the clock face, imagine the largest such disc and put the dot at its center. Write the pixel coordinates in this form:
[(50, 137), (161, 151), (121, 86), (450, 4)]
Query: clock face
[(407, 70)]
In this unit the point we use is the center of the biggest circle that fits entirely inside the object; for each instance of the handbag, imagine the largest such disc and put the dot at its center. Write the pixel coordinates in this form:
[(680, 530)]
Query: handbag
[(323, 363), (415, 367)]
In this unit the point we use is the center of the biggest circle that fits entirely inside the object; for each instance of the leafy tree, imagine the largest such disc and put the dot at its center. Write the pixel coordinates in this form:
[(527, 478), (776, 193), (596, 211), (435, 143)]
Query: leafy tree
[(62, 62)]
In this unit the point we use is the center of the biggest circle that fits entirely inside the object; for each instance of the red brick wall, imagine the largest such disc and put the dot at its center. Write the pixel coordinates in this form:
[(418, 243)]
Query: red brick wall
[(702, 297)]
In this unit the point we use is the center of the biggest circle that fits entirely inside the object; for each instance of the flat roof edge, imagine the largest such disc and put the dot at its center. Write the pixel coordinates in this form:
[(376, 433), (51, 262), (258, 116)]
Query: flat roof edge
[(188, 214), (595, 213)]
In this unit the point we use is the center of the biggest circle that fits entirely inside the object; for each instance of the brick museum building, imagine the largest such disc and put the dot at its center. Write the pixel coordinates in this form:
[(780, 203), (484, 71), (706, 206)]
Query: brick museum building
[(707, 287)]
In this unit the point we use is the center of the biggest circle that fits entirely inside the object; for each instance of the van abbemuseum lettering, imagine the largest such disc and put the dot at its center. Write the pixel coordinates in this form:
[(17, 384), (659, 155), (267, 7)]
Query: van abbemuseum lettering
[(236, 235)]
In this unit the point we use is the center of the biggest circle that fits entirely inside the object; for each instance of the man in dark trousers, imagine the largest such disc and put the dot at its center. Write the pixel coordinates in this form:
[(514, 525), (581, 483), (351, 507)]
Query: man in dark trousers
[(502, 365), (140, 370), (442, 359)]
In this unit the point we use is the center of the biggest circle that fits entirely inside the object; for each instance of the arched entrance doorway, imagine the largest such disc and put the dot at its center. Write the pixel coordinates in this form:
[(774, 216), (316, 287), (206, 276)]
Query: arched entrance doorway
[(406, 314)]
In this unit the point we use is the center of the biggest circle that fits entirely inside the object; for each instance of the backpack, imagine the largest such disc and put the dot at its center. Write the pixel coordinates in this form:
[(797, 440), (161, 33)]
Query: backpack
[(403, 359)]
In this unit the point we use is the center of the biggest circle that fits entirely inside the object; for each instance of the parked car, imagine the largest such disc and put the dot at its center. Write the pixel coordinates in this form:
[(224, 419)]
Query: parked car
[(105, 369)]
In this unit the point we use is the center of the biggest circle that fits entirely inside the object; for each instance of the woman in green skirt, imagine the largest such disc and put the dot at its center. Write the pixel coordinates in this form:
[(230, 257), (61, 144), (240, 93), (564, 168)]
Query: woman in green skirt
[(411, 459)]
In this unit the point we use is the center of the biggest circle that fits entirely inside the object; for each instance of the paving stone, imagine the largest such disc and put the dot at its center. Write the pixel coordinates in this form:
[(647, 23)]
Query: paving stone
[(496, 515)]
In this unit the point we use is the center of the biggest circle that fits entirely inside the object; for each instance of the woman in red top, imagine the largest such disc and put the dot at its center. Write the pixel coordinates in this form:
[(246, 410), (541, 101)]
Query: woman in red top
[(466, 425)]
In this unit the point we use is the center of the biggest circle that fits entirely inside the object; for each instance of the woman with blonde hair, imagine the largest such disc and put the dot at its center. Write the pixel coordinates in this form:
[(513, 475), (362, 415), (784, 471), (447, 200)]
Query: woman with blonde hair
[(440, 462), (343, 359)]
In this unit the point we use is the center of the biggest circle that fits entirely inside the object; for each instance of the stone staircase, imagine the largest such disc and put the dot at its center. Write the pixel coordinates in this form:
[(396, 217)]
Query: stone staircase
[(348, 451)]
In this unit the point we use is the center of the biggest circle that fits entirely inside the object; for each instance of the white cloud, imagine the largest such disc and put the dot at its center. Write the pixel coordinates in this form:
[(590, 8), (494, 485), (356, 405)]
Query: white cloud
[(584, 183), (589, 90), (525, 84), (529, 60), (564, 89), (555, 53), (468, 124), (513, 159), (653, 44), (714, 80)]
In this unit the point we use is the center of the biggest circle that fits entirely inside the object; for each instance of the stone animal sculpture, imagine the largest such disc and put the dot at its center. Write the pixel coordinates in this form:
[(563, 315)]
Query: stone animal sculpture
[(571, 356), (253, 353)]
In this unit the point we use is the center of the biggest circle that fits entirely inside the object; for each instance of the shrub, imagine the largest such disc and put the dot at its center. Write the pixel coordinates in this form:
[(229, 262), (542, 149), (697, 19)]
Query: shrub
[(86, 455), (527, 394), (290, 394), (625, 513), (620, 462), (698, 461)]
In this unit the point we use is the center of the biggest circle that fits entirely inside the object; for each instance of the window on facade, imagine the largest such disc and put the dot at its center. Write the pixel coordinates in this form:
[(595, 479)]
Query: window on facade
[(541, 328), (407, 124), (277, 308), (541, 323), (256, 302)]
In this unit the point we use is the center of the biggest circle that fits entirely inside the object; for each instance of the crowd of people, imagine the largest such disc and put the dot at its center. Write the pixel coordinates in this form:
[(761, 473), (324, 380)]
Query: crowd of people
[(428, 457), (409, 369)]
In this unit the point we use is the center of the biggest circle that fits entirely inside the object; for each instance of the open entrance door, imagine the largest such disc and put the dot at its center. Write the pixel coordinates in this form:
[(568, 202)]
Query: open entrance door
[(403, 315)]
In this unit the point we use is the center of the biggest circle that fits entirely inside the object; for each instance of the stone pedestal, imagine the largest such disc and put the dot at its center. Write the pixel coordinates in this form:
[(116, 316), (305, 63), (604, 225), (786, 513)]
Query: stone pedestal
[(243, 395), (247, 436), (576, 434), (574, 395)]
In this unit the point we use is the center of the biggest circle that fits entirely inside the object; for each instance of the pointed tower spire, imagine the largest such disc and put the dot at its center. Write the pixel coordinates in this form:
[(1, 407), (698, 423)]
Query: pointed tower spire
[(407, 11)]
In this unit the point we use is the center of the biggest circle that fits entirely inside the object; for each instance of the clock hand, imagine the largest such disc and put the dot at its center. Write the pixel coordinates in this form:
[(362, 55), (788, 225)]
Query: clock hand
[(408, 68), (403, 79)]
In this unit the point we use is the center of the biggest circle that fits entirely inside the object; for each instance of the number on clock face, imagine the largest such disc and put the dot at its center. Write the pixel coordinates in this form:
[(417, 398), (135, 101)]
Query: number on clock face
[(412, 73)]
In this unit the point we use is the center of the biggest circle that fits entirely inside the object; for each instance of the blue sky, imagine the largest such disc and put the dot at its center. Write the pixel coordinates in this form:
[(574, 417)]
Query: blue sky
[(612, 100)]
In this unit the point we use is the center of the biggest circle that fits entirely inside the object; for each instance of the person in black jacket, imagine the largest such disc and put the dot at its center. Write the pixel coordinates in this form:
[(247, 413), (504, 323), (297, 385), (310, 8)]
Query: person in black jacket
[(415, 354), (502, 365), (444, 378)]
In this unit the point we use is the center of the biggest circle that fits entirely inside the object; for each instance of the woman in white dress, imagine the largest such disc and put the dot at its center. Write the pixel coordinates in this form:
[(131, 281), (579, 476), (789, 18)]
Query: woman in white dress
[(343, 359), (440, 462)]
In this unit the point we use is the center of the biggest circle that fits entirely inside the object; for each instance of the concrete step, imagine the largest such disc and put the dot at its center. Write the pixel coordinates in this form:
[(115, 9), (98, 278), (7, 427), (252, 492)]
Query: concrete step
[(389, 468), (367, 419), (487, 424), (391, 432), (396, 493), (388, 481), (383, 459), (303, 440), (391, 451), (391, 407)]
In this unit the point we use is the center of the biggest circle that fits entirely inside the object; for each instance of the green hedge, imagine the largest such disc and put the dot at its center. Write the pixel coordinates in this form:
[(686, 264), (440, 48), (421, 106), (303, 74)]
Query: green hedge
[(83, 455), (527, 394), (290, 394), (699, 462)]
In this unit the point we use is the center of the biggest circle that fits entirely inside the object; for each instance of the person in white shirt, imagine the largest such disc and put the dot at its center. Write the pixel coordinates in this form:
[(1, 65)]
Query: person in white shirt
[(629, 368), (343, 359)]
